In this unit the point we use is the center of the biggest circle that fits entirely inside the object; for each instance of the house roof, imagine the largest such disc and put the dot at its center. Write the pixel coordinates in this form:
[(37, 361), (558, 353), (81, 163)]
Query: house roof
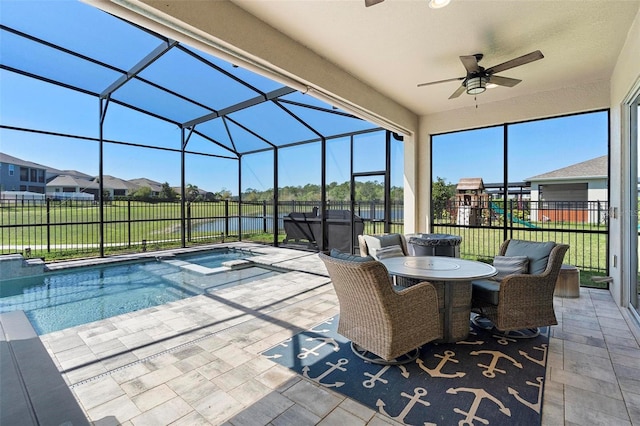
[(155, 186), (117, 183), (594, 168), (8, 159), (466, 184), (72, 181)]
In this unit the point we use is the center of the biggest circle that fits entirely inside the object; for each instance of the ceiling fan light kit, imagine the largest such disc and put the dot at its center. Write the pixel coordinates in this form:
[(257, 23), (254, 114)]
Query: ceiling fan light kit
[(437, 4), (476, 85)]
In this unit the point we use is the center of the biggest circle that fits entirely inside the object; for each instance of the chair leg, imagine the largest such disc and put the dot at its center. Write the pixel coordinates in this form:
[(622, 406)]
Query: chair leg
[(485, 323), (369, 356)]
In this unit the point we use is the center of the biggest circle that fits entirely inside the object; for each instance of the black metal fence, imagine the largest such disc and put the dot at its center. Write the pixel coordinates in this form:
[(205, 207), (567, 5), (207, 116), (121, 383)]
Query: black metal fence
[(484, 225), (65, 229)]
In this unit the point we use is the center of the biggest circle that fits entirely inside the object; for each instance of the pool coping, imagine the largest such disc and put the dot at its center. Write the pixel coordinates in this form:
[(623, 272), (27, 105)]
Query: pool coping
[(32, 389)]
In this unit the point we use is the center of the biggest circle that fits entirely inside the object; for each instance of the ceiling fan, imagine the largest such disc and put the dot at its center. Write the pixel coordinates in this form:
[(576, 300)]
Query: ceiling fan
[(477, 77)]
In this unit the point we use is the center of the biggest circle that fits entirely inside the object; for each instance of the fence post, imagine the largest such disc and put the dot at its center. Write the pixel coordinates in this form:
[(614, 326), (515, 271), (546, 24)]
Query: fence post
[(264, 216), (226, 218), (189, 221), (48, 225), (129, 223)]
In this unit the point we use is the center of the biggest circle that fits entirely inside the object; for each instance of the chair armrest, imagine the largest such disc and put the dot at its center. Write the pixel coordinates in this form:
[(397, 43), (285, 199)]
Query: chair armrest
[(418, 302)]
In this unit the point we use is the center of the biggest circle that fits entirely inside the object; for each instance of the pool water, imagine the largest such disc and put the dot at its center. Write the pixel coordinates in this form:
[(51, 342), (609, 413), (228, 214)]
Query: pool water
[(59, 300)]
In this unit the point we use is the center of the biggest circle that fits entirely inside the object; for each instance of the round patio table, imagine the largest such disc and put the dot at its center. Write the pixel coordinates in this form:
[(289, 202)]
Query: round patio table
[(452, 279)]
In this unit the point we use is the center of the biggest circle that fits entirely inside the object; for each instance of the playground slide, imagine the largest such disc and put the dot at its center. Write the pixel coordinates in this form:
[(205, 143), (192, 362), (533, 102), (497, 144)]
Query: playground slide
[(500, 211)]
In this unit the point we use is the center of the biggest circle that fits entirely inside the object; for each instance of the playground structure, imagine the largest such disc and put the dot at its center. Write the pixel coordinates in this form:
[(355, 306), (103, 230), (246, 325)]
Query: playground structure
[(471, 201)]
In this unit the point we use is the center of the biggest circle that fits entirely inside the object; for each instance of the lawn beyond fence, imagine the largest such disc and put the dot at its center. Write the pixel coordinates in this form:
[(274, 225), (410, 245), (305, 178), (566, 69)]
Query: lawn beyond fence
[(72, 228)]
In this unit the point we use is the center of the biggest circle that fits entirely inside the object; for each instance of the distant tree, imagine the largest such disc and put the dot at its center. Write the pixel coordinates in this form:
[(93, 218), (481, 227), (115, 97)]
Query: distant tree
[(142, 193), (167, 192), (193, 193), (225, 194), (441, 192)]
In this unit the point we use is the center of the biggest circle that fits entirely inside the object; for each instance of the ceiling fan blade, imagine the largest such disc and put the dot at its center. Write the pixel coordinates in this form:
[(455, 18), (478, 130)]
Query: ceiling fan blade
[(368, 3), (441, 81), (516, 62), (503, 81), (459, 91), (470, 62)]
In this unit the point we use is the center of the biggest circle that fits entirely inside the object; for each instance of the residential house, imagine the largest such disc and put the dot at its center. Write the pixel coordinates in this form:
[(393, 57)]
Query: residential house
[(21, 175), (576, 193)]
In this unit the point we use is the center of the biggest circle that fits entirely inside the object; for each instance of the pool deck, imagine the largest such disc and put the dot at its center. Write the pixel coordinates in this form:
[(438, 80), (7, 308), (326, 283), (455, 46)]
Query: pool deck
[(197, 361)]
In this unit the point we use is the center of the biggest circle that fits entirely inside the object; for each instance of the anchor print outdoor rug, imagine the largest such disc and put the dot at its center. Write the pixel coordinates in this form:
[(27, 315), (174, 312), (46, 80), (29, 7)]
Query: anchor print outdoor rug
[(484, 380)]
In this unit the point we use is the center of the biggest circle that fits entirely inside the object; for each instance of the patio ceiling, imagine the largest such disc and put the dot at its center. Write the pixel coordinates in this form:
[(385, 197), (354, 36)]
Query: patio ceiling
[(397, 44), (84, 49)]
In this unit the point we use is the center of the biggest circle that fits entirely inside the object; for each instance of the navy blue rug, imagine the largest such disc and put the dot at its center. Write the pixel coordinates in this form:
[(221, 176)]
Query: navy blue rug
[(484, 380)]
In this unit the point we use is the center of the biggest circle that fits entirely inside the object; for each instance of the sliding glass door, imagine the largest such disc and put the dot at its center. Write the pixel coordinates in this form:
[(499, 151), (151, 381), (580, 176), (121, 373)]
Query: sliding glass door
[(634, 150)]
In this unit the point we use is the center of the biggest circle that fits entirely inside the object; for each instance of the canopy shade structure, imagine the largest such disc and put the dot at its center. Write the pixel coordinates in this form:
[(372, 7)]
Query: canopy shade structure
[(81, 48)]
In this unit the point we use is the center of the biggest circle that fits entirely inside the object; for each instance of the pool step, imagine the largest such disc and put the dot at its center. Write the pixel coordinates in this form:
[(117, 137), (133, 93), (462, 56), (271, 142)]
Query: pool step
[(203, 270), (16, 266)]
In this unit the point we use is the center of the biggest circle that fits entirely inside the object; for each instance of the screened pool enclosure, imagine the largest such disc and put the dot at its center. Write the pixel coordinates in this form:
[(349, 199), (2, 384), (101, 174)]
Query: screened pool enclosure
[(97, 99)]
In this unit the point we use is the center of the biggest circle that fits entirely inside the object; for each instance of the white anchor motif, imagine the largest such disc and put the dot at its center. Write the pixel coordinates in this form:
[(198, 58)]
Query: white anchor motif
[(491, 368), (373, 378), (534, 406), (305, 352), (332, 368), (324, 330), (284, 344), (543, 347), (437, 372), (413, 399), (470, 415)]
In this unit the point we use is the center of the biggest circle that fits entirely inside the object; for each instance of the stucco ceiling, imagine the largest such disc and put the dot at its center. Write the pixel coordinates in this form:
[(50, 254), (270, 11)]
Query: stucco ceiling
[(397, 44)]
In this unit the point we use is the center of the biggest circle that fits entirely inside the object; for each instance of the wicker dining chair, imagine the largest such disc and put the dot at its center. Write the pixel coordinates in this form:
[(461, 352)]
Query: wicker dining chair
[(518, 302), (385, 324)]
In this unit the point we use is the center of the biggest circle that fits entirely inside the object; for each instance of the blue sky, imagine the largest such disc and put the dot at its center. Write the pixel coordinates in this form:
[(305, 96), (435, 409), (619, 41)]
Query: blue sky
[(535, 147)]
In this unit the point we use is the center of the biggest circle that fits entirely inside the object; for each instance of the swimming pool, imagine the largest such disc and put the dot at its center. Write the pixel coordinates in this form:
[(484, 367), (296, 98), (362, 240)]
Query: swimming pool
[(58, 300)]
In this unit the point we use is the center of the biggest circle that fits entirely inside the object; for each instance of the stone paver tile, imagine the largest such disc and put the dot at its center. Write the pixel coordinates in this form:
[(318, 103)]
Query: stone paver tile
[(357, 409), (192, 386), (163, 414), (218, 406), (150, 380), (114, 412), (83, 373), (590, 366), (97, 392), (296, 415), (608, 388), (194, 361), (131, 372), (380, 420), (214, 369), (586, 407), (233, 355), (627, 341), (153, 397), (64, 343), (192, 419), (250, 391), (341, 417), (313, 398), (234, 378)]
